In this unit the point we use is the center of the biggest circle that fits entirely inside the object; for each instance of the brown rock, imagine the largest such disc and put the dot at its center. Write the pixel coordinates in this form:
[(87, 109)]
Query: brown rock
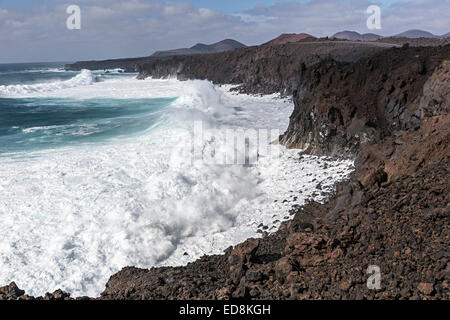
[(223, 293), (283, 267), (336, 254), (11, 291), (345, 285), (243, 252), (426, 288)]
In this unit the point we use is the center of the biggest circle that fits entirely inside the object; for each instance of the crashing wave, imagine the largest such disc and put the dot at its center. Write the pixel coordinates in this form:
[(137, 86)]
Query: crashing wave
[(84, 78)]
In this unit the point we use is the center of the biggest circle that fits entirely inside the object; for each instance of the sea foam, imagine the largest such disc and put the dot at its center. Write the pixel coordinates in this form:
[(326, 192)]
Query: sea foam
[(73, 216), (84, 78)]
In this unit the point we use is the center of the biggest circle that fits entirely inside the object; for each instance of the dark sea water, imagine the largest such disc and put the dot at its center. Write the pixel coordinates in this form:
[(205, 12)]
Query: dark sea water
[(29, 73)]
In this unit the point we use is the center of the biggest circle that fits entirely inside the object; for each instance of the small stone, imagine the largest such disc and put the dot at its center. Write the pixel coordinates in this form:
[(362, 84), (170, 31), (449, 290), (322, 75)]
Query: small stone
[(336, 253), (253, 276), (426, 288), (223, 294), (346, 285), (283, 267)]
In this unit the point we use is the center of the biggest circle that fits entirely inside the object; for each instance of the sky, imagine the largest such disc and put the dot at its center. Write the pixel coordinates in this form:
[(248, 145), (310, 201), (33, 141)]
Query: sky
[(35, 30)]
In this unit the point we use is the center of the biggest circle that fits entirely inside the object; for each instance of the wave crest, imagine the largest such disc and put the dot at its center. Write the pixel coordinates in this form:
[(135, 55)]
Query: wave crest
[(84, 78)]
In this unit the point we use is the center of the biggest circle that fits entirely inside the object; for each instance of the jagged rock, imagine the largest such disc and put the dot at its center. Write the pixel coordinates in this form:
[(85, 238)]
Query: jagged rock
[(283, 267), (340, 106), (345, 285), (223, 293), (240, 255), (11, 292), (376, 177), (436, 93), (253, 276), (60, 295), (426, 288)]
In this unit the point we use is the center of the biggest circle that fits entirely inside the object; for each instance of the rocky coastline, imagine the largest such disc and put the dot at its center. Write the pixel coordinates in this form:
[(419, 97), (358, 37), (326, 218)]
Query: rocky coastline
[(386, 106)]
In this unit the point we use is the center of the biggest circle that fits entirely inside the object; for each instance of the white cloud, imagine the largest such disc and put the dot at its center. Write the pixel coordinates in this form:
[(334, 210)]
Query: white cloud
[(249, 18), (120, 28)]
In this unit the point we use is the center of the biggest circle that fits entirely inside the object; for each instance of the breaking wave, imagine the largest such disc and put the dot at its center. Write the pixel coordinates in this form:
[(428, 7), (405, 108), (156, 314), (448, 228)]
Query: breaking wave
[(84, 78)]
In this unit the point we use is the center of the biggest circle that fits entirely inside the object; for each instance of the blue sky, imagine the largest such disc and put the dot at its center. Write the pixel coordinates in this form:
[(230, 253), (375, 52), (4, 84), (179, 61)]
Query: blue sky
[(35, 30)]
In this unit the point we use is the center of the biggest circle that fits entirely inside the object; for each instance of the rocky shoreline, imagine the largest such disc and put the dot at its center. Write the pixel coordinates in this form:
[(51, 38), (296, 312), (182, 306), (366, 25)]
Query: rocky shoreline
[(386, 106)]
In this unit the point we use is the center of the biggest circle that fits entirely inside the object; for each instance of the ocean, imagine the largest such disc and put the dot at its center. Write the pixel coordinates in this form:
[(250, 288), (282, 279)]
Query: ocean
[(98, 172)]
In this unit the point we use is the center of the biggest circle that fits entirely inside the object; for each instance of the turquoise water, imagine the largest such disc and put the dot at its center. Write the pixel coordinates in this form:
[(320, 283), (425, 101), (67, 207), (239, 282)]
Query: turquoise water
[(30, 73), (39, 123), (30, 124)]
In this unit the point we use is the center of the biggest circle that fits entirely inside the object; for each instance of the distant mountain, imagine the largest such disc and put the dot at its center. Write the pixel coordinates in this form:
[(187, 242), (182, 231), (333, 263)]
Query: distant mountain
[(412, 34), (288, 37), (353, 35), (415, 33), (200, 48), (347, 35)]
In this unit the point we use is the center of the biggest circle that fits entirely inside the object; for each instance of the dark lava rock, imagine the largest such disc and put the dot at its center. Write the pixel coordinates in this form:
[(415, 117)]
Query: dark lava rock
[(340, 106), (11, 292)]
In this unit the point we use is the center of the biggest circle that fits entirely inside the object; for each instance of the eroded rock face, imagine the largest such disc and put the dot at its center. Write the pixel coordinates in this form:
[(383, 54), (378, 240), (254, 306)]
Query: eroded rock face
[(261, 69), (406, 153), (436, 93), (341, 106), (12, 292)]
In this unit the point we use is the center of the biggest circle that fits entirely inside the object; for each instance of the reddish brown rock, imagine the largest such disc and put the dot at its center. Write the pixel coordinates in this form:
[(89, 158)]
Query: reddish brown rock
[(289, 37), (426, 288)]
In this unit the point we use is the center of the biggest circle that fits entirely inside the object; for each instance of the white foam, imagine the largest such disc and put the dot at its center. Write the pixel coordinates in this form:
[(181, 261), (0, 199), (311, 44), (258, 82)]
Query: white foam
[(34, 129), (43, 70), (84, 78), (72, 217), (84, 86)]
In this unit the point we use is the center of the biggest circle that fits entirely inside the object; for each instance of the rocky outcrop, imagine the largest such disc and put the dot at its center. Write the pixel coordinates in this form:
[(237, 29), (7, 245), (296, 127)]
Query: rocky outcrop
[(436, 92), (12, 292), (263, 69), (201, 48), (341, 106), (247, 59), (416, 42), (353, 35), (288, 38), (128, 64)]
